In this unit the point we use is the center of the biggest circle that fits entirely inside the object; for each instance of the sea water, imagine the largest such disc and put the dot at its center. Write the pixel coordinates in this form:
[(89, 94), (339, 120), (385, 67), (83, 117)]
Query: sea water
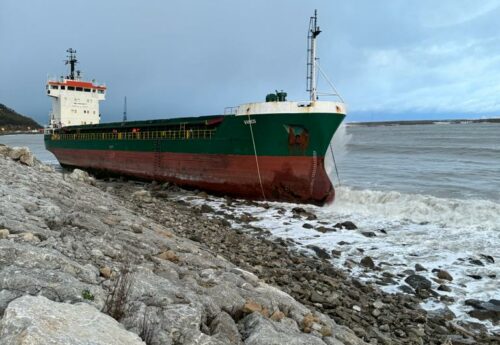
[(429, 193)]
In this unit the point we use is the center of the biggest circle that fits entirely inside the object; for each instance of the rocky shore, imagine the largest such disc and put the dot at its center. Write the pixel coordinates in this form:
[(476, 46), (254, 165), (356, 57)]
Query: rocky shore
[(86, 261)]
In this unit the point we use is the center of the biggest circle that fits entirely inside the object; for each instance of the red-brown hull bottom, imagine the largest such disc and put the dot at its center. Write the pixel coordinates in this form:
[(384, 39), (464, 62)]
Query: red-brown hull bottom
[(289, 178)]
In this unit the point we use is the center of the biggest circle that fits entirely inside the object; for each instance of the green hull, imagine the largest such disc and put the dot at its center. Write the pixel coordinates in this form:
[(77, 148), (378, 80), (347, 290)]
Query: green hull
[(266, 156), (271, 133)]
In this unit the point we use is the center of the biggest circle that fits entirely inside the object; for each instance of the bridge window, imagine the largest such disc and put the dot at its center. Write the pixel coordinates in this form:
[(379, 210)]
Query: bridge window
[(100, 91), (63, 87), (54, 87), (79, 89), (72, 88), (86, 90)]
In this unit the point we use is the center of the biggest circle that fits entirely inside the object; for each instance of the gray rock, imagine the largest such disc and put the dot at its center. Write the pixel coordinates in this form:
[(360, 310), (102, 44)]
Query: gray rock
[(367, 262), (488, 258), (22, 154), (419, 268), (442, 274), (348, 225), (37, 320), (418, 282), (4, 233), (194, 299), (81, 176), (443, 287), (224, 329), (258, 330), (484, 310), (320, 252)]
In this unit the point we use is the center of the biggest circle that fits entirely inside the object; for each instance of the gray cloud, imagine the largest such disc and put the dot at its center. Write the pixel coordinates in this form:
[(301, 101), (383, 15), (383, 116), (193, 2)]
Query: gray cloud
[(389, 59)]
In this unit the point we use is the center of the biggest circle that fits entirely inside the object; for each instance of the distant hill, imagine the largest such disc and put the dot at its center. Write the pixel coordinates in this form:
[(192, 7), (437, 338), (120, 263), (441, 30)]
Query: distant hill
[(11, 121)]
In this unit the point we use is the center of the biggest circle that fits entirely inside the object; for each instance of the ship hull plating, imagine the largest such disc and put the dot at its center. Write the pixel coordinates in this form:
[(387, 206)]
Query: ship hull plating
[(292, 179)]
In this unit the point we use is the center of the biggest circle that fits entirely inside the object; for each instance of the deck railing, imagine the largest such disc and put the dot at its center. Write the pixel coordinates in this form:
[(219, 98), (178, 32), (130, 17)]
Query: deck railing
[(184, 134)]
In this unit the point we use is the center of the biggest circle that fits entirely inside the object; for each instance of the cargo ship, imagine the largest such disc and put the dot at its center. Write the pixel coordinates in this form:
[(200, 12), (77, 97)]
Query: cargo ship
[(272, 150)]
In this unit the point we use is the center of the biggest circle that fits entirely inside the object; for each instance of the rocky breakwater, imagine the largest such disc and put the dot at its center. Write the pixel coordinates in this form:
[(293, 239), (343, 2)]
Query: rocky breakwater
[(227, 227), (81, 265)]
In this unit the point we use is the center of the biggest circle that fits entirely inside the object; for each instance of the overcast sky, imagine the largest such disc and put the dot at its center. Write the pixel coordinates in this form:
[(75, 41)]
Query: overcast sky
[(389, 59)]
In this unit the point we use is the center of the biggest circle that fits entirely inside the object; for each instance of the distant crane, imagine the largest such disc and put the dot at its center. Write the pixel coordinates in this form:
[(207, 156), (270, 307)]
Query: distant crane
[(125, 109)]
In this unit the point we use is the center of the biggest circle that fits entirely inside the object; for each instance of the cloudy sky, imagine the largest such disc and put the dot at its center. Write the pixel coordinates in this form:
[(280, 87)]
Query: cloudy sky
[(389, 59)]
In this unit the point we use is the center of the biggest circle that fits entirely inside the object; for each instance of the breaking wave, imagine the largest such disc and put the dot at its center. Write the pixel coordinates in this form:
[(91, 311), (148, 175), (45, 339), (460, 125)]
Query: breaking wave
[(418, 208)]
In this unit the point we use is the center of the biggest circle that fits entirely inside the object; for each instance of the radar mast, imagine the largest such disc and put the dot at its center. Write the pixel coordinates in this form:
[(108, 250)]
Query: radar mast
[(72, 61), (314, 31)]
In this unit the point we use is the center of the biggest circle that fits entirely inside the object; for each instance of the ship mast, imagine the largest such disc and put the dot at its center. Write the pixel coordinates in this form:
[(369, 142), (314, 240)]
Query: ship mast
[(313, 33), (72, 61)]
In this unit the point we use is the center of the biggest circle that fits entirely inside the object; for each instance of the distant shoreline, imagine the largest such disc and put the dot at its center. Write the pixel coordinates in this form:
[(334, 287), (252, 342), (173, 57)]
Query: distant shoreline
[(19, 132), (422, 122)]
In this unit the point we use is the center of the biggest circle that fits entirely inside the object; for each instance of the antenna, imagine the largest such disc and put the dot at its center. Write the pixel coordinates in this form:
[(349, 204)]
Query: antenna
[(125, 109), (313, 33), (72, 61)]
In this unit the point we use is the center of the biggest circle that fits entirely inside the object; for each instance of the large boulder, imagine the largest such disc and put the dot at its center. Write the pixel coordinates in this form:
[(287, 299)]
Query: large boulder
[(257, 330), (417, 281), (22, 154), (37, 320), (81, 176)]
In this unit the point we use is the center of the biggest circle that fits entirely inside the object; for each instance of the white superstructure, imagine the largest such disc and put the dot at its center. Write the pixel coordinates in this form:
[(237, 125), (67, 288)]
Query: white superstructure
[(74, 101)]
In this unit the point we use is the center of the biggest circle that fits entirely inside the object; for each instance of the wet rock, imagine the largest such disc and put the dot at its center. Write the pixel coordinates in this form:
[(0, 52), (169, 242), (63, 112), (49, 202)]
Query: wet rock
[(37, 320), (488, 258), (408, 273), (324, 229), (419, 268), (442, 274), (205, 208), (320, 252), (475, 276), (418, 282), (444, 313), (443, 287), (336, 253), (369, 234), (485, 310), (348, 225), (307, 226), (367, 262), (343, 243), (446, 299), (300, 212), (476, 262)]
